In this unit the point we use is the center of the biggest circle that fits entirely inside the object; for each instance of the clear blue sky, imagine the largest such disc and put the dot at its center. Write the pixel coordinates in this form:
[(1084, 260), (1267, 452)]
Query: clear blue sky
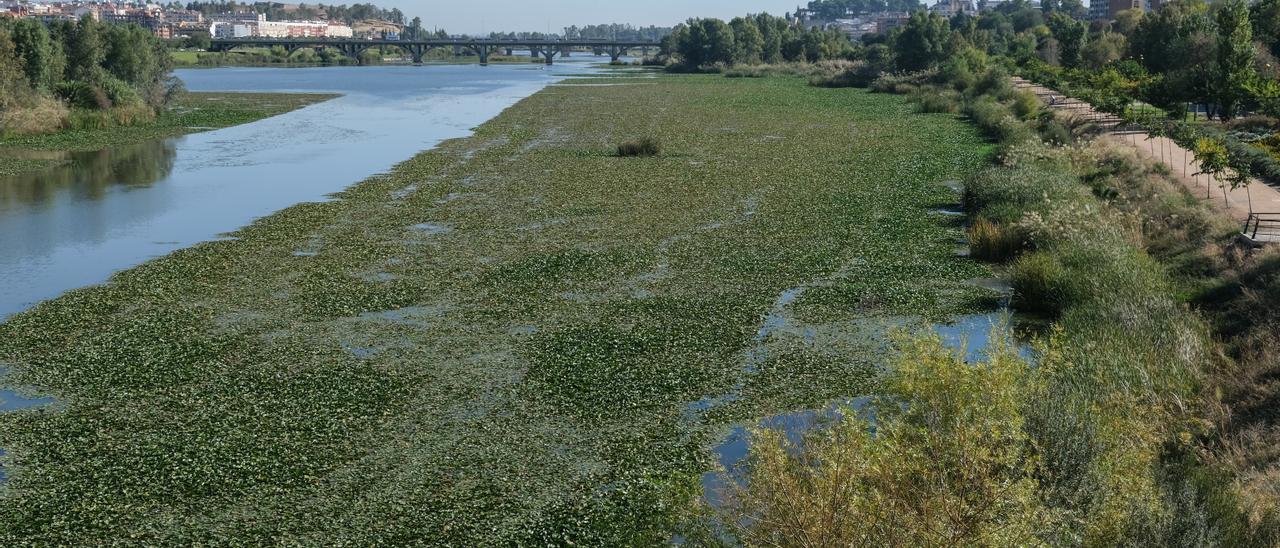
[(476, 16)]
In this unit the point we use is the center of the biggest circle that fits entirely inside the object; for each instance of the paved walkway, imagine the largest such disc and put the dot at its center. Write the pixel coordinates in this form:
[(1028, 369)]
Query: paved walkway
[(1181, 162)]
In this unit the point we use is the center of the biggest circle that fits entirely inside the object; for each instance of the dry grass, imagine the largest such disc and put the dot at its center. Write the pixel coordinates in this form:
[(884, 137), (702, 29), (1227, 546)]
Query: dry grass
[(991, 242), (42, 115)]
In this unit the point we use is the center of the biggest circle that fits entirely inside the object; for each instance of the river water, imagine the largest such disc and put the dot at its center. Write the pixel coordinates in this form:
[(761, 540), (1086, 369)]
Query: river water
[(109, 210)]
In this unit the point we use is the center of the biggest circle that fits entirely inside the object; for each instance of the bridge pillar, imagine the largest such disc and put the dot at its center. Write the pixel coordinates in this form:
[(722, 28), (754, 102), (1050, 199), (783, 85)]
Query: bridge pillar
[(535, 52), (564, 51), (511, 52), (615, 52), (550, 54)]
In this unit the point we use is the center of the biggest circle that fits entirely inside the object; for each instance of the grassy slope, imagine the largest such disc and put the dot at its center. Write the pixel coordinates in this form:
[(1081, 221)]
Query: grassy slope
[(534, 386), (190, 113)]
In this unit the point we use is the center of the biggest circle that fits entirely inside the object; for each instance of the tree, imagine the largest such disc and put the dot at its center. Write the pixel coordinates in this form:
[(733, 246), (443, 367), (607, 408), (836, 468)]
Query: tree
[(84, 50), (1127, 20), (708, 42), (414, 30), (1071, 35), (922, 42), (13, 81), (1075, 8), (771, 45), (749, 41), (35, 50), (1235, 56), (1265, 17), (1108, 47)]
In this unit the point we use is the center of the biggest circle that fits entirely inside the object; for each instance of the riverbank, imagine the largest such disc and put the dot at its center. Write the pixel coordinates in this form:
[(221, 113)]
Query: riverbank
[(514, 338), (264, 57), (189, 113)]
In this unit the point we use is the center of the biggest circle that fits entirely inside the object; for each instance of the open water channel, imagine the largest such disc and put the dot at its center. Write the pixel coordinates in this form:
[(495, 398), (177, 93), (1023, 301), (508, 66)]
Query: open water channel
[(109, 210)]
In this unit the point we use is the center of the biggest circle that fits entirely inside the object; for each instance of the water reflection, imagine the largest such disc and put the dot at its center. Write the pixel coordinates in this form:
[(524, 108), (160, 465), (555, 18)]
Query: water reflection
[(87, 175)]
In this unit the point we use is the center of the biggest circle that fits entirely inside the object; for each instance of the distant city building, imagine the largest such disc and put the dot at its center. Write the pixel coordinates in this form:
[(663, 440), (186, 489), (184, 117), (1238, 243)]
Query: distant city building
[(338, 30), (172, 23), (238, 17), (888, 21), (1107, 9), (951, 8)]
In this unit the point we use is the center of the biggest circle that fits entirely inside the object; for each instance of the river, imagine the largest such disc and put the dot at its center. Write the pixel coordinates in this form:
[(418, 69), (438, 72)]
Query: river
[(109, 210)]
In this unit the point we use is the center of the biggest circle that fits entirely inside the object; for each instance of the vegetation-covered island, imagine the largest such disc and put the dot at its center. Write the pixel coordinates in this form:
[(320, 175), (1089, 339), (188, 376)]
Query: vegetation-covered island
[(737, 297)]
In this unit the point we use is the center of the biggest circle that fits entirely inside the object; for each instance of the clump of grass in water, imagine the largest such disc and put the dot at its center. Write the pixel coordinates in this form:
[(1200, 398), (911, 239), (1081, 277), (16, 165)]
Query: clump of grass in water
[(643, 147), (991, 242)]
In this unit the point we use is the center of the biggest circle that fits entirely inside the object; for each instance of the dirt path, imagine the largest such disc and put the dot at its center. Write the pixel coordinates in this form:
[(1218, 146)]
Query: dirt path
[(1181, 162)]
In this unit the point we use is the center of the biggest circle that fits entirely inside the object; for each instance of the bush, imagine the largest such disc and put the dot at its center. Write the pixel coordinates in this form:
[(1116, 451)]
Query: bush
[(904, 82), (1025, 105), (947, 463), (646, 146), (995, 83), (858, 74), (82, 95), (997, 122), (1039, 284), (119, 93), (928, 100), (1055, 133)]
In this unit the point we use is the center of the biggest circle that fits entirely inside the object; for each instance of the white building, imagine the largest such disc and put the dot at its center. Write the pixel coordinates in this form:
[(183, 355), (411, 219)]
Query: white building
[(338, 30)]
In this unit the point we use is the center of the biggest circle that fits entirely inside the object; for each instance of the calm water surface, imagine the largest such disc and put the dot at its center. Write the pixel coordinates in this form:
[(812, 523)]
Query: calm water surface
[(112, 209)]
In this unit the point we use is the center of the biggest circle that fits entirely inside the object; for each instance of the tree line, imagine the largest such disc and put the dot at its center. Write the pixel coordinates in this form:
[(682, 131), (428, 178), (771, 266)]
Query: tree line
[(80, 64), (754, 39)]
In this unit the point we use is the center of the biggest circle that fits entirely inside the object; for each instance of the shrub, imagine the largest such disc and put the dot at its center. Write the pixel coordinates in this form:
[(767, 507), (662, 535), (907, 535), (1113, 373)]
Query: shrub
[(849, 74), (82, 95), (1025, 105), (947, 463), (1039, 284), (119, 93), (1055, 133), (903, 82), (929, 100), (997, 122), (995, 83), (646, 146)]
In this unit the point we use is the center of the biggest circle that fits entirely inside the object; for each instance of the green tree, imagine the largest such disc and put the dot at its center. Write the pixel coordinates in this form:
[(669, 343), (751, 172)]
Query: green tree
[(1103, 50), (922, 42), (1235, 56), (1071, 35), (1265, 18), (35, 49), (13, 81), (414, 30), (85, 51), (771, 30), (709, 41), (748, 40), (1127, 21)]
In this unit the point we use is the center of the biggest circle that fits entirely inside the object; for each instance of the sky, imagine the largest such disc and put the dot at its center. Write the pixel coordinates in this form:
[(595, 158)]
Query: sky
[(485, 16)]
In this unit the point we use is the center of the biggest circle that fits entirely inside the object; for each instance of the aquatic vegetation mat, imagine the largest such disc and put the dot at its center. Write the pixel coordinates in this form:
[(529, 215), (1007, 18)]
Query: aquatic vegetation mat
[(515, 338)]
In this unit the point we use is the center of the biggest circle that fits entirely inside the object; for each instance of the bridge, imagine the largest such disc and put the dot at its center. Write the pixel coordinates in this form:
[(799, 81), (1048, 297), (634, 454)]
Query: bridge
[(417, 49)]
